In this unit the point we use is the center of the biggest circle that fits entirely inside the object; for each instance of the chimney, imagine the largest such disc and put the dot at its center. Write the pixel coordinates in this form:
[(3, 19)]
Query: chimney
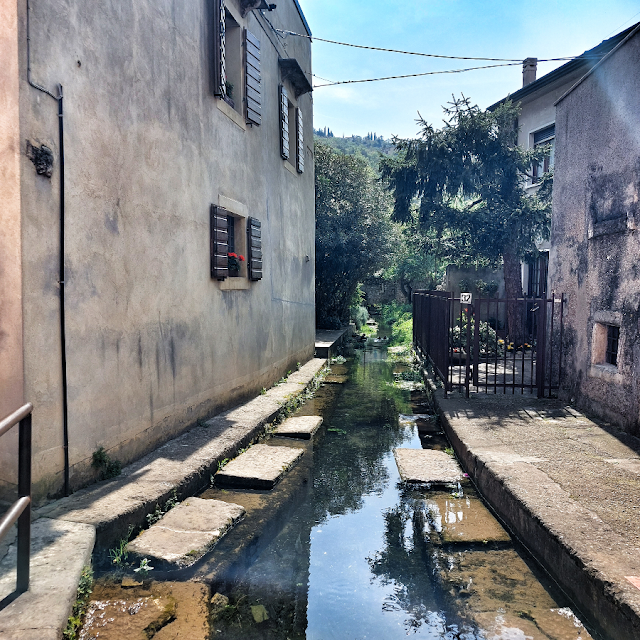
[(529, 68)]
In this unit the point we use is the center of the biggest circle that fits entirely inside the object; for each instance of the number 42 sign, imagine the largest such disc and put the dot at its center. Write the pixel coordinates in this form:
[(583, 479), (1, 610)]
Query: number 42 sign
[(465, 298)]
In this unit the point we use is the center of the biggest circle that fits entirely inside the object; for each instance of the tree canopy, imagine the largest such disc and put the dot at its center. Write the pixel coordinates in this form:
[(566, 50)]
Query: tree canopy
[(466, 184), (354, 235)]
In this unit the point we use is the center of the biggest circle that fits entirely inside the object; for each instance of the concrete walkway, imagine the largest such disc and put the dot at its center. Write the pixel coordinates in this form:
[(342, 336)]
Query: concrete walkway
[(65, 530), (566, 487)]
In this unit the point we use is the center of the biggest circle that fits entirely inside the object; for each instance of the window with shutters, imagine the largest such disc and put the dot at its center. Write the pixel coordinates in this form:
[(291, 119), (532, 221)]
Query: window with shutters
[(291, 131), (544, 137), (236, 65), (235, 234)]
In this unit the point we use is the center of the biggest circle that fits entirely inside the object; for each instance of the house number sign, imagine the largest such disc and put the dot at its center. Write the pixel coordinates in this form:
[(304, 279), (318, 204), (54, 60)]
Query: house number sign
[(465, 298)]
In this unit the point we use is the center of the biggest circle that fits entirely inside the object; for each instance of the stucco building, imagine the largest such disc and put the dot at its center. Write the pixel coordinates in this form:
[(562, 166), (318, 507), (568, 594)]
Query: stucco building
[(536, 127), (187, 135), (595, 246)]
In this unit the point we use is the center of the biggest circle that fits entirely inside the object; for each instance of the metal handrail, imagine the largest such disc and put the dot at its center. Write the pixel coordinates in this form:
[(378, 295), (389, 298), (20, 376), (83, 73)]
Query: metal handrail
[(20, 510)]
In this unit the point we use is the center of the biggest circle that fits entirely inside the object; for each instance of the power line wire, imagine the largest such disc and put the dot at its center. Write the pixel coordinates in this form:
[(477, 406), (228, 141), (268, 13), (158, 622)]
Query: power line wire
[(416, 75), (412, 53)]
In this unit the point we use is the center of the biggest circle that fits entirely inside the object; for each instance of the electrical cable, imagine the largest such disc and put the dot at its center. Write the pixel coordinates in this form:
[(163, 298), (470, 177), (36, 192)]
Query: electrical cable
[(416, 75), (412, 53)]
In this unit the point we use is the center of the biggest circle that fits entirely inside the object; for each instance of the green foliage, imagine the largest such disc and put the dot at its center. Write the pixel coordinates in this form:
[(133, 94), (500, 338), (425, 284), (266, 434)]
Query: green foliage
[(119, 553), (159, 511), (371, 148), (489, 343), (400, 318), (360, 316), (85, 587), (354, 235), (144, 568), (469, 182), (102, 462)]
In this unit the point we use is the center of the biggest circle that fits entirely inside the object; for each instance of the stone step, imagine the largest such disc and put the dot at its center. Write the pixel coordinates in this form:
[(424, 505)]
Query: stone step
[(184, 534), (260, 467), (303, 427), (427, 466)]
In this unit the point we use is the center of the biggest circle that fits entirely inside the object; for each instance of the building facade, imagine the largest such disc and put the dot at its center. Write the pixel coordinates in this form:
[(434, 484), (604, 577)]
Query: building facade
[(187, 135), (595, 242), (537, 126)]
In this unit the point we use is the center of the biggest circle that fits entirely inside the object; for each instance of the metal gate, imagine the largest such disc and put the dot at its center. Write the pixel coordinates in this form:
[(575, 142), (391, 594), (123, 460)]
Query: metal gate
[(490, 344)]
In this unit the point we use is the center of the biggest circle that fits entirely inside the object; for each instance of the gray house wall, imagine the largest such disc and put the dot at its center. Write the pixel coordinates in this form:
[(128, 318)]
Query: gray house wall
[(595, 246), (153, 342)]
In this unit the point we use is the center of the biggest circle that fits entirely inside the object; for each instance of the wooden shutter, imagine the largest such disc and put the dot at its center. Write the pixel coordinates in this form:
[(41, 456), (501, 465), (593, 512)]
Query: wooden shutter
[(219, 243), (254, 249), (253, 79), (284, 123), (299, 141), (219, 49)]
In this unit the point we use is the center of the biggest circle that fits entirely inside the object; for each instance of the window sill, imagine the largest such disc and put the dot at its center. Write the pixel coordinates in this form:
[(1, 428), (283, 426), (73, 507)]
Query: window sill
[(231, 113), (607, 372), (234, 284), (290, 168)]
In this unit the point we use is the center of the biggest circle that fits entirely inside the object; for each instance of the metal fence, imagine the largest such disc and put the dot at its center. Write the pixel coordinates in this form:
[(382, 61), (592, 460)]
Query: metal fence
[(20, 510), (490, 344)]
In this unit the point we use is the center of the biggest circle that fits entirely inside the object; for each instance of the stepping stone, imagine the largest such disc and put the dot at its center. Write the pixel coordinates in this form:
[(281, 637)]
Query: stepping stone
[(260, 467), (186, 533), (427, 466), (299, 427), (464, 520), (333, 378), (425, 422)]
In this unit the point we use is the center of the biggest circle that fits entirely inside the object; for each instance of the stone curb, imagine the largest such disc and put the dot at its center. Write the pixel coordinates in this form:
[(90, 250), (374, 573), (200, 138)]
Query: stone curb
[(181, 467), (582, 554)]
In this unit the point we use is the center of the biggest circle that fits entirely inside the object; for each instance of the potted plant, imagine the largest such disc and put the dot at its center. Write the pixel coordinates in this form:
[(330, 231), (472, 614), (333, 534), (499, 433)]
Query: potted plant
[(234, 264)]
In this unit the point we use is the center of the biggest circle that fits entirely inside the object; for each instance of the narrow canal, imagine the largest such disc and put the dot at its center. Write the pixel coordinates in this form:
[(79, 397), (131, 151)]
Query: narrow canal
[(340, 549)]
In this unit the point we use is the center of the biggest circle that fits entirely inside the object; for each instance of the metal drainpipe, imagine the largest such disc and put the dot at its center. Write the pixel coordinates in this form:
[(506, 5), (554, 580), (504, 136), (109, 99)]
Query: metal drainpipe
[(63, 344)]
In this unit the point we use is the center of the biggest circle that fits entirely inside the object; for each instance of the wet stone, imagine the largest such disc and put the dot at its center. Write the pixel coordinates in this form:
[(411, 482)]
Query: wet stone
[(260, 467), (302, 427), (169, 611), (427, 466), (425, 423), (219, 603), (463, 520), (186, 533)]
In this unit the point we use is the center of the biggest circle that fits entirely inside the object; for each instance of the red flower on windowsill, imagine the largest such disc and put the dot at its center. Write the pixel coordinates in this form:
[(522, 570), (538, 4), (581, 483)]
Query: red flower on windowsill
[(234, 261)]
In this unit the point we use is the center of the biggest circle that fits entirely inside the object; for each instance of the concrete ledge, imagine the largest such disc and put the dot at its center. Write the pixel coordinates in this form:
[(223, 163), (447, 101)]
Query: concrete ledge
[(184, 465), (59, 551), (327, 342), (586, 557)]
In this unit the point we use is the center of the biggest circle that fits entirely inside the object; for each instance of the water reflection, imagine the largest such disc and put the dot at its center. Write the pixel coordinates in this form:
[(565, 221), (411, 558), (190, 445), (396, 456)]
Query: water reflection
[(364, 558)]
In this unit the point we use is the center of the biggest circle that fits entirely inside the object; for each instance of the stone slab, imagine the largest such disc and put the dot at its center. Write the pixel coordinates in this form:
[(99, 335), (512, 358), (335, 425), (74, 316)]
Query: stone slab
[(299, 427), (59, 551), (463, 520), (260, 467), (427, 466), (184, 465), (184, 534)]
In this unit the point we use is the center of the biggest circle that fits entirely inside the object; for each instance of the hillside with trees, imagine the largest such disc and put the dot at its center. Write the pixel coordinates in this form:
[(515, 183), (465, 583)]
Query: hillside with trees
[(371, 148)]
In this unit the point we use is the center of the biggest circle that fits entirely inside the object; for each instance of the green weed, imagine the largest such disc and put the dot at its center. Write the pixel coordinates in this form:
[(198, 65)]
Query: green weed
[(102, 462), (85, 587)]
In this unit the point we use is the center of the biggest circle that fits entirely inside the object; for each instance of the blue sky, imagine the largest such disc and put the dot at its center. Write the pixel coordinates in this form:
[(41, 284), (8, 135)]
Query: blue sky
[(492, 28)]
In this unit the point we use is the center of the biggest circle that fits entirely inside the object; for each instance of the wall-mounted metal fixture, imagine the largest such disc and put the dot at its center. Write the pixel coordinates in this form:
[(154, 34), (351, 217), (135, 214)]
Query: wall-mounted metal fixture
[(253, 5), (42, 158)]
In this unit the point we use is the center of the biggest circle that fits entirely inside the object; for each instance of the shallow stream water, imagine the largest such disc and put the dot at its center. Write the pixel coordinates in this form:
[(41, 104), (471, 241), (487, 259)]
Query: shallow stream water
[(341, 549)]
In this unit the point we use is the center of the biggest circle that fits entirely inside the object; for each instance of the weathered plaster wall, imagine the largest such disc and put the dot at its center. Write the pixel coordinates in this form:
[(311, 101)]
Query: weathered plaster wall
[(153, 343), (538, 110), (595, 255), (11, 392)]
